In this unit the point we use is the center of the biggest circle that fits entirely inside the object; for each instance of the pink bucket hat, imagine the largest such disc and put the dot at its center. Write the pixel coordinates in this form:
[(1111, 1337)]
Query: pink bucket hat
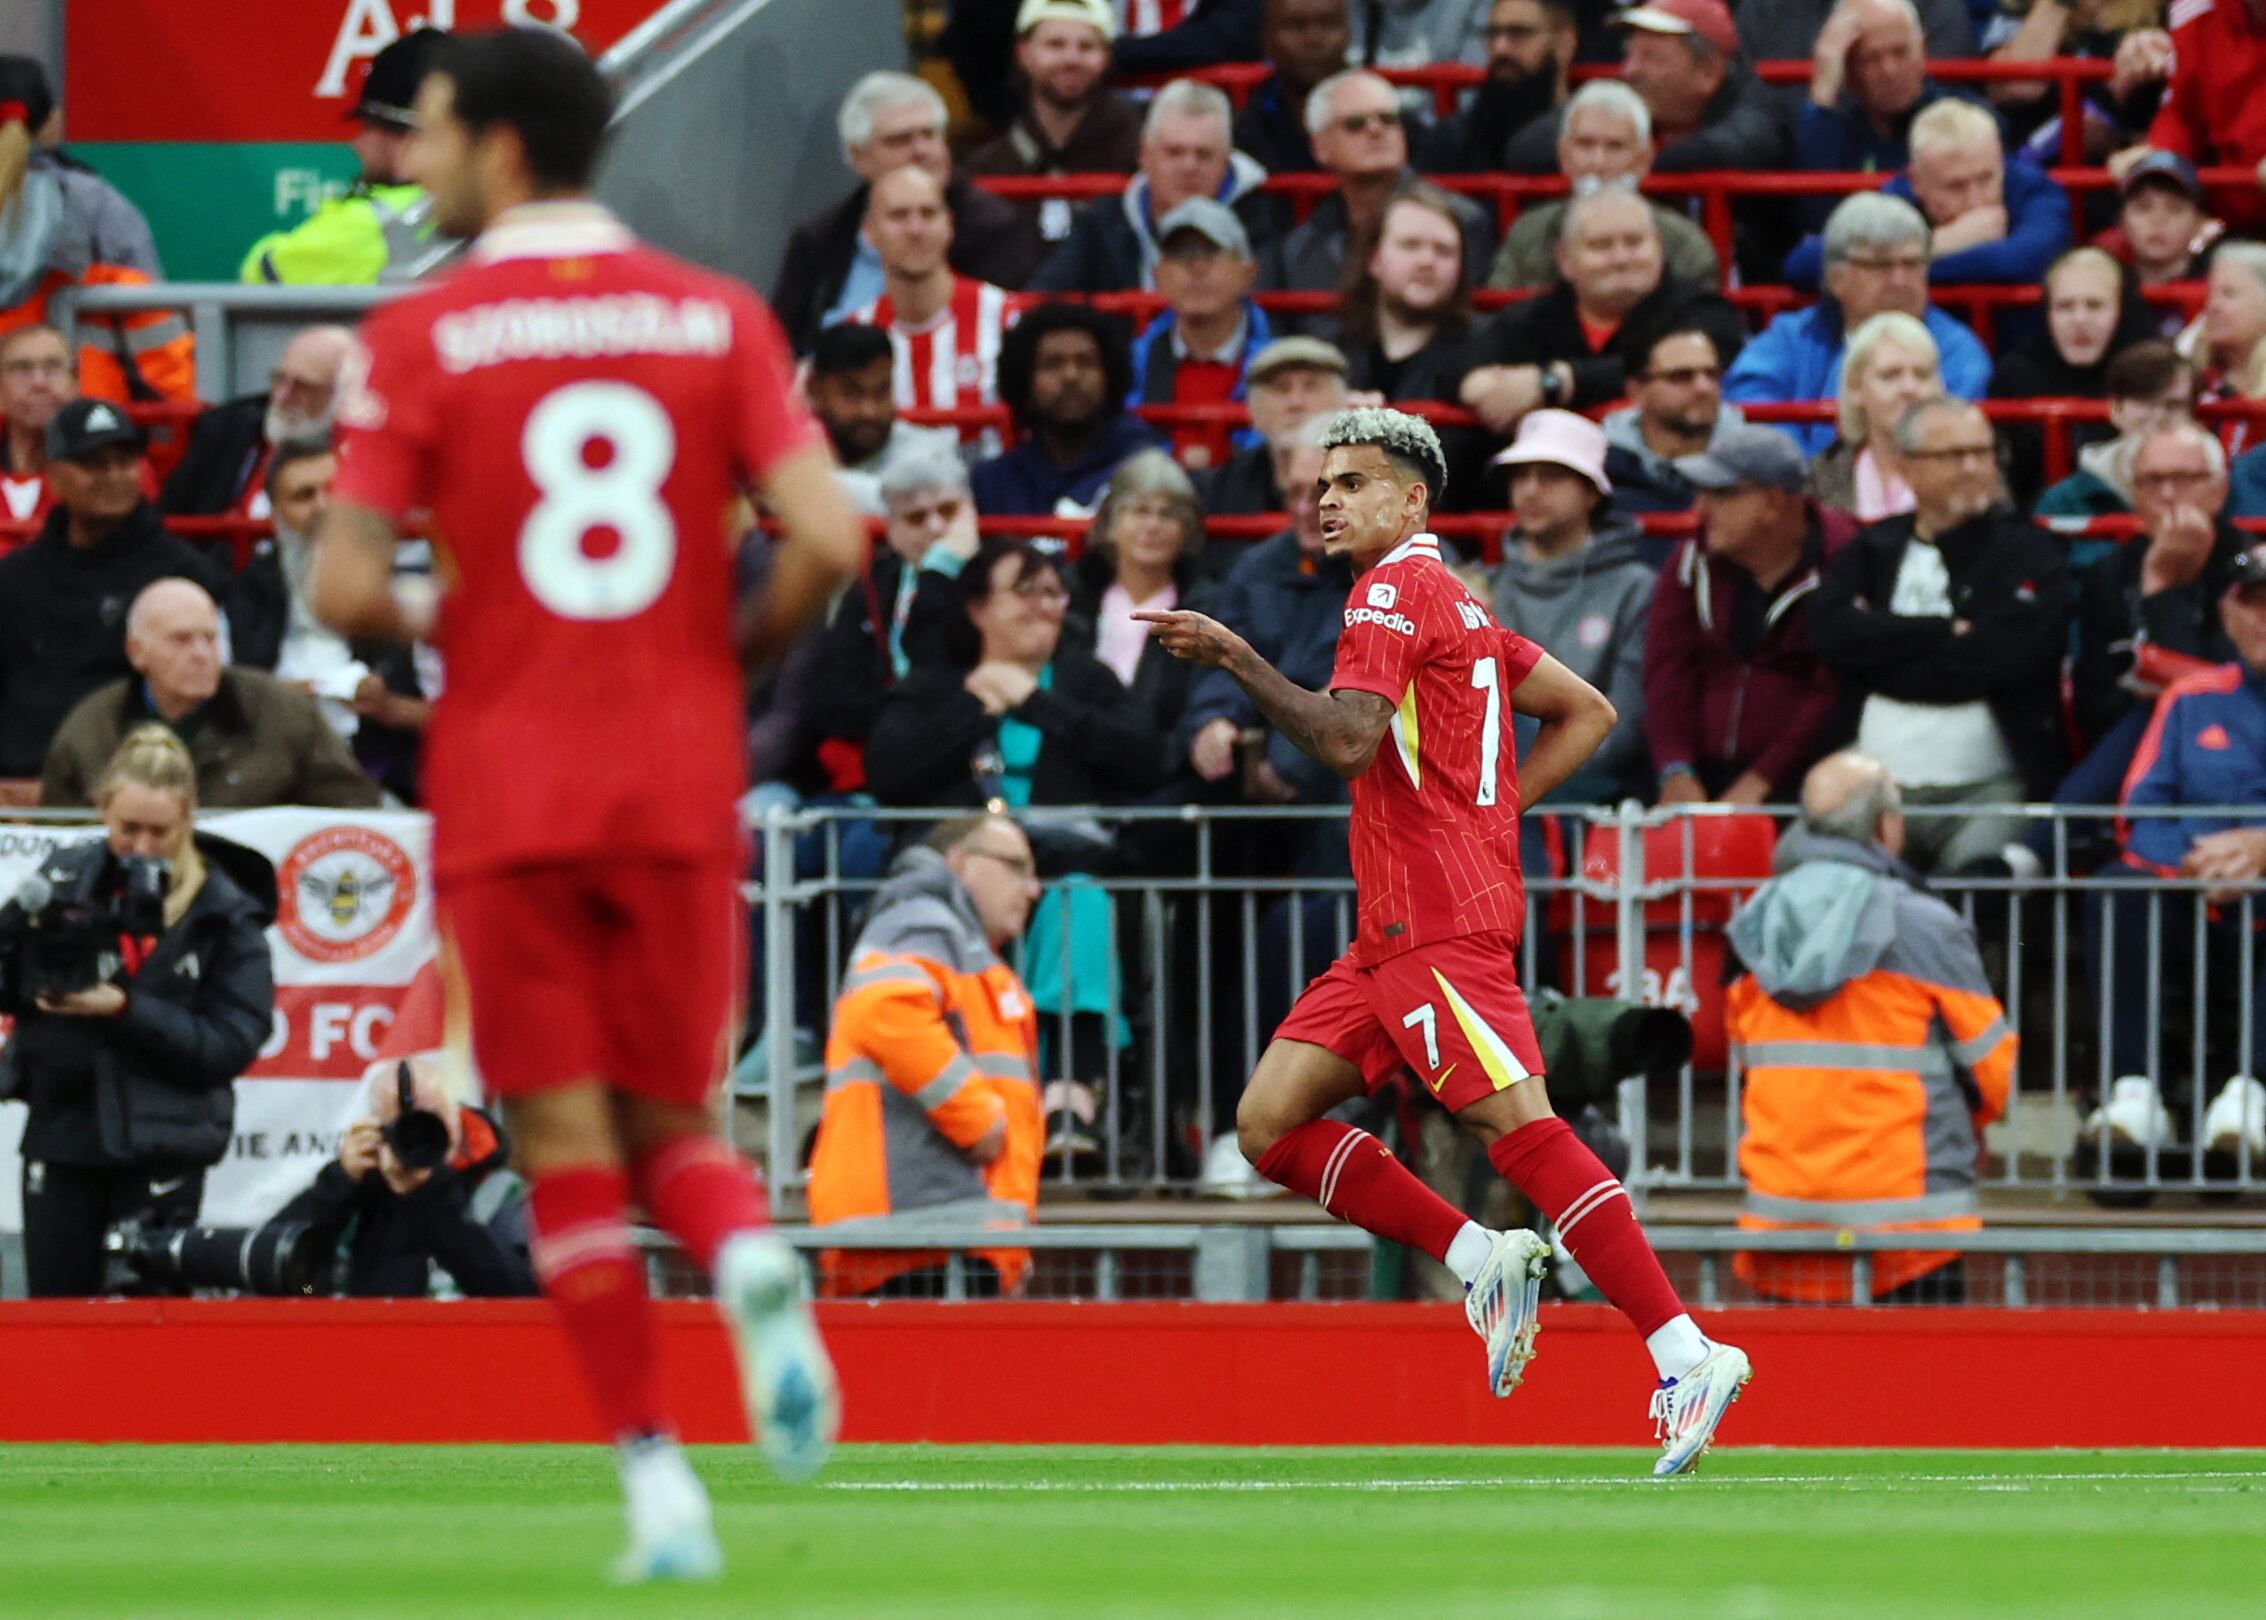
[(1561, 439)]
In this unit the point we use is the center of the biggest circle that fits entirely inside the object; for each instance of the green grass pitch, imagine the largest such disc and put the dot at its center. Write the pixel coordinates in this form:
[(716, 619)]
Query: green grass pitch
[(1095, 1532)]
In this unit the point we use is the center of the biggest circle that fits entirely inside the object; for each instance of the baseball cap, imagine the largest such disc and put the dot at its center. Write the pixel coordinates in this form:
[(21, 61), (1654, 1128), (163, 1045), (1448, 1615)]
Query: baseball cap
[(2247, 573), (1709, 19), (1560, 439), (1095, 12), (1214, 221), (85, 426), (1748, 453), (2163, 168), (389, 89), (1290, 353)]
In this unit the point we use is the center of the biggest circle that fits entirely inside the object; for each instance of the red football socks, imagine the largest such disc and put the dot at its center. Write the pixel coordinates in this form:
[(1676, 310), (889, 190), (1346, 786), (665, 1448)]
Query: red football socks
[(1356, 1178), (593, 1275), (1551, 1165), (699, 1191)]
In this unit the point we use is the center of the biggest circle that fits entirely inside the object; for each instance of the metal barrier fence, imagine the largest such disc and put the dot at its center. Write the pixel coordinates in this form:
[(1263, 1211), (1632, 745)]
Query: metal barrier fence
[(1214, 918)]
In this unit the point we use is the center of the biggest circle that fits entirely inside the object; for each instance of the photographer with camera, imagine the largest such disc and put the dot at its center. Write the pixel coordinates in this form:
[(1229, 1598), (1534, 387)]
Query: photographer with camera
[(138, 974)]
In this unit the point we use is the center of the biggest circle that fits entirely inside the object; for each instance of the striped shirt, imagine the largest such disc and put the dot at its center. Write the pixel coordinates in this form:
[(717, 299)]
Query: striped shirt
[(952, 359)]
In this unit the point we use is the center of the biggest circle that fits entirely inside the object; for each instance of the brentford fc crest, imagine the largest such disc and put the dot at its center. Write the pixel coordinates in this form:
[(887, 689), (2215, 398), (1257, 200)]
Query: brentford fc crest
[(345, 892)]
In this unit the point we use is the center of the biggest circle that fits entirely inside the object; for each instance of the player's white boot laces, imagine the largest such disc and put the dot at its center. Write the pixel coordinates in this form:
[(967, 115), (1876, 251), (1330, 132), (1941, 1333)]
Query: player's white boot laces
[(670, 1535), (1502, 1305), (1686, 1410), (793, 1403)]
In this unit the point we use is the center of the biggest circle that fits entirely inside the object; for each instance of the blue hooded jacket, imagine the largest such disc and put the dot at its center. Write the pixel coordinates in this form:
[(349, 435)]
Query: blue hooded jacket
[(1798, 356)]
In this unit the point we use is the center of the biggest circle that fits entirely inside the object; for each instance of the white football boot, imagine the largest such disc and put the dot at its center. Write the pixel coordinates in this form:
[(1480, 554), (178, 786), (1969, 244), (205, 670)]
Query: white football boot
[(671, 1537), (1686, 1410), (2133, 1116), (1502, 1305), (793, 1403), (2235, 1123)]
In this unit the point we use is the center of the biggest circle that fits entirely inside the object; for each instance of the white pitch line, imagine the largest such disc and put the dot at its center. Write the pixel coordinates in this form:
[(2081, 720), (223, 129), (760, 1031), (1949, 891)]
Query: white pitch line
[(1994, 1482)]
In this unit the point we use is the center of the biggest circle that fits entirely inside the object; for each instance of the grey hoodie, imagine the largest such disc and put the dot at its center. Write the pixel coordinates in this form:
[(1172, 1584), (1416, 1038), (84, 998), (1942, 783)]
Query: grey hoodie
[(1588, 611), (1829, 915)]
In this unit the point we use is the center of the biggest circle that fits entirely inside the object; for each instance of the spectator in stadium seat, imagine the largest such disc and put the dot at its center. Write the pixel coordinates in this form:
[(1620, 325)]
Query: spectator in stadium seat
[(2149, 386), (1994, 221), (63, 598), (1531, 46), (2204, 746), (1209, 32), (1008, 712), (1403, 321), (381, 230), (1788, 30), (1737, 703), (851, 388), (63, 226), (224, 466), (1868, 81), (1872, 1049), (1876, 259), (2212, 113), (1564, 348), (2227, 341), (2043, 30), (255, 740), (2093, 314), (1892, 366), (1065, 373), (895, 612), (1143, 554), (1289, 383), (1285, 596), (1360, 137), (932, 1102), (1185, 152), (37, 379), (1676, 361), (1708, 110), (1196, 350), (1418, 33), (270, 626), (1604, 139), (1305, 43), (2163, 232), (1575, 577), (886, 121), (1947, 627), (1069, 121), (2156, 594)]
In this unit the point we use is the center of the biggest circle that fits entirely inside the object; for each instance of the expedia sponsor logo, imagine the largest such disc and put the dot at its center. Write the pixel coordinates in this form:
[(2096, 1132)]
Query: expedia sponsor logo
[(1389, 621)]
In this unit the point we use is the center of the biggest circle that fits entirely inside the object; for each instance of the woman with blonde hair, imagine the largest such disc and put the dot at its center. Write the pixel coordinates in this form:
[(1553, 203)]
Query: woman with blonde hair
[(2227, 342), (1891, 366), (130, 1033)]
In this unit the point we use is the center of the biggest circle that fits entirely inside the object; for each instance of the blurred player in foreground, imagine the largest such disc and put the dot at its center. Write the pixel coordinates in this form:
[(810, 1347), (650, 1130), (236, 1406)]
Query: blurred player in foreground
[(1431, 981), (575, 412)]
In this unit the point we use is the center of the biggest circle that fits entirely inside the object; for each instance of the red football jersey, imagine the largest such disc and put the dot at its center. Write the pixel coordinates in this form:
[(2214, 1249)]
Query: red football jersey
[(951, 359), (1435, 816), (576, 411)]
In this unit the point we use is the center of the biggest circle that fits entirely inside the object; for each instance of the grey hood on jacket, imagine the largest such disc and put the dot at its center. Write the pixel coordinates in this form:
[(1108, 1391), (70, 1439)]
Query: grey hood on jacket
[(1588, 610), (921, 909), (1831, 914), (1244, 173), (1624, 430)]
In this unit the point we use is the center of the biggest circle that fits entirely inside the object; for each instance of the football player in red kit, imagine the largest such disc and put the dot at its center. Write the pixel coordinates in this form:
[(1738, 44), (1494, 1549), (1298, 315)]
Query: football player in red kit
[(574, 414), (1418, 719)]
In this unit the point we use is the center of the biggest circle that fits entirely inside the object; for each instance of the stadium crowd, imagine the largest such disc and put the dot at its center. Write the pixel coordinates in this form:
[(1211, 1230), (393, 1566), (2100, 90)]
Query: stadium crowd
[(1080, 284)]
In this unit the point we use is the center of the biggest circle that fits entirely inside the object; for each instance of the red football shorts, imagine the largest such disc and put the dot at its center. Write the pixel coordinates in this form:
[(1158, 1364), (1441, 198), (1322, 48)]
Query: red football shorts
[(1452, 1011), (629, 973)]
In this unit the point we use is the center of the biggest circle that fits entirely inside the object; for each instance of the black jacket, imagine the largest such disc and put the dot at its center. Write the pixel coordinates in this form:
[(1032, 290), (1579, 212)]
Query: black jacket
[(63, 622), (1432, 372), (225, 445), (2008, 581), (1094, 748), (155, 1085), (852, 672), (992, 240), (2112, 616), (460, 1220), (1742, 127), (1548, 327), (1241, 486)]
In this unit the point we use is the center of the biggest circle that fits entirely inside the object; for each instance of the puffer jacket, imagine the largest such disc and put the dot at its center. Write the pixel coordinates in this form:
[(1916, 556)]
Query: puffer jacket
[(934, 1041), (1874, 1053)]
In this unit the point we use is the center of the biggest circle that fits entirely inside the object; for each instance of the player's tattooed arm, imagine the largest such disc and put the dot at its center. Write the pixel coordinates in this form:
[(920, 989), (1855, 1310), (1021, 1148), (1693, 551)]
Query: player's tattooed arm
[(1340, 728), (351, 586)]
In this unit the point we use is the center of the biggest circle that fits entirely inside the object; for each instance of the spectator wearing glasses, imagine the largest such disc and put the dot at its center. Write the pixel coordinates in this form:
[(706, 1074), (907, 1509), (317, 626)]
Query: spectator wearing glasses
[(2149, 386), (1947, 627), (224, 467), (1876, 253), (1305, 42), (1143, 555), (1290, 382), (1356, 121), (37, 379), (1675, 381), (1604, 139), (1892, 366), (1531, 46), (1402, 322)]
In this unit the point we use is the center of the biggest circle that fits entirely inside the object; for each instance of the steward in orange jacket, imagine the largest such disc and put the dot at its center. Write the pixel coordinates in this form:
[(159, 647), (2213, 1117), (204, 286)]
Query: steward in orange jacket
[(932, 1103), (1873, 1052)]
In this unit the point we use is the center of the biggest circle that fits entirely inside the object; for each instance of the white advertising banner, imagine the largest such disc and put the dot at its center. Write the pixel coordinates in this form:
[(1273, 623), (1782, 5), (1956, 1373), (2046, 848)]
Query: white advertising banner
[(354, 923)]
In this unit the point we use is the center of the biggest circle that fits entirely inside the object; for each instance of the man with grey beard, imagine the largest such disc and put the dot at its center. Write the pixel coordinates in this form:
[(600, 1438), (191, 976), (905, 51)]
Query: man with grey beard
[(224, 469)]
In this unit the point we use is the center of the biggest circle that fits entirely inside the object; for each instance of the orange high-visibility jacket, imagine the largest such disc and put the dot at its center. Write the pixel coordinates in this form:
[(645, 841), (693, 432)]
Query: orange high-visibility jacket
[(1873, 1053), (148, 354), (83, 232), (934, 1041)]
